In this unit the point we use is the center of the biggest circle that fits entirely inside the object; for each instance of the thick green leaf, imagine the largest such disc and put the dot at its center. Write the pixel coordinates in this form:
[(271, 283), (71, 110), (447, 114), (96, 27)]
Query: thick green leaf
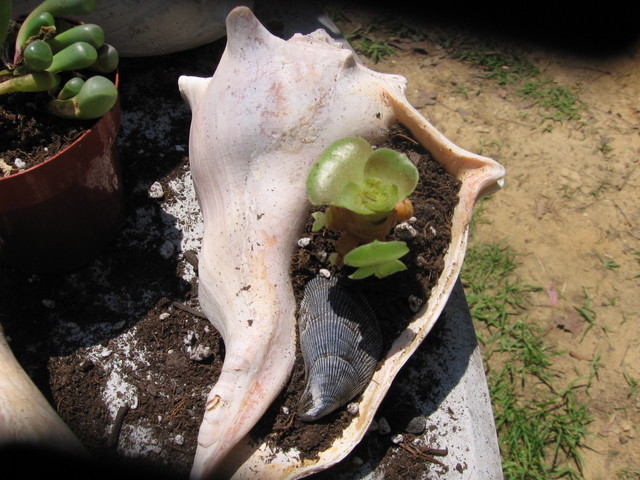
[(375, 253), (389, 268), (55, 8), (96, 97), (351, 175), (75, 57), (379, 270), (31, 27), (87, 32), (37, 56), (71, 88), (107, 61), (340, 164), (319, 221), (32, 82), (395, 168), (362, 272)]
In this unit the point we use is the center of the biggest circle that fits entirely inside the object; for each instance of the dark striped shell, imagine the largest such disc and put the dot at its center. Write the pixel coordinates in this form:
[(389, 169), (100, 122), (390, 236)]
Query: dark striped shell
[(341, 345)]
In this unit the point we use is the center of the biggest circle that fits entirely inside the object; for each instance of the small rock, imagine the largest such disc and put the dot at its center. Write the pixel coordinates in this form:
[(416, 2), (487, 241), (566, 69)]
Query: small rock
[(353, 408), (167, 249), (155, 190), (48, 303), (383, 426), (19, 163), (405, 231), (399, 438), (324, 272), (201, 353), (164, 316), (190, 338), (415, 303), (285, 410), (118, 325), (417, 425), (304, 241), (178, 440)]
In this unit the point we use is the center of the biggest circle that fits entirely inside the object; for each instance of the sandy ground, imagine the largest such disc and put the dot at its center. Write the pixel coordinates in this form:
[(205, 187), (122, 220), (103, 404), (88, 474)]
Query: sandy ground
[(570, 208)]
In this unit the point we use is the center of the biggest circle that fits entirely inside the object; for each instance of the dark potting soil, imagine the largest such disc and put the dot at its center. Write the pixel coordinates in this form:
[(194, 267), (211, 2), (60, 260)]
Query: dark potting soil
[(395, 299), (131, 314), (28, 136)]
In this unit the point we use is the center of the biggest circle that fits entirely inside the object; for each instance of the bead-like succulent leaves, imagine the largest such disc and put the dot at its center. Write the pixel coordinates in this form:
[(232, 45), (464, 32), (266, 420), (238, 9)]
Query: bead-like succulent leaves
[(50, 53)]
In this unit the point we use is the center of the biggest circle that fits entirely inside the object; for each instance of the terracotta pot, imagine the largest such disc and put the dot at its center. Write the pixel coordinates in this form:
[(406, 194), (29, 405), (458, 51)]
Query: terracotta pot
[(62, 213)]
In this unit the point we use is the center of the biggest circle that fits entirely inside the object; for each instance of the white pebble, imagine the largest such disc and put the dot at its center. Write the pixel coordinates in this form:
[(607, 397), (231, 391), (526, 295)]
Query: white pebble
[(200, 353), (155, 190), (304, 241), (352, 408), (432, 230), (190, 338), (19, 163), (164, 316), (399, 438), (285, 410), (324, 272), (178, 440), (405, 231), (179, 148)]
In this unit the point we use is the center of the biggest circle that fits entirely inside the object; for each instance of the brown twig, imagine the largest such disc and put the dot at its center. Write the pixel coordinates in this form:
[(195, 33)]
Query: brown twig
[(425, 453), (190, 310), (117, 426)]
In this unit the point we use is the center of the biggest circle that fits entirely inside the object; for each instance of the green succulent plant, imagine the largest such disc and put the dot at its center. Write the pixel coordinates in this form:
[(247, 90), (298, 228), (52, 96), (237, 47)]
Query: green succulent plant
[(51, 55), (376, 258), (366, 192)]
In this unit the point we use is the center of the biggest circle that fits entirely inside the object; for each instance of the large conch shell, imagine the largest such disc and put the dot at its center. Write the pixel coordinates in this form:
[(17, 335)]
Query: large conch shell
[(258, 124)]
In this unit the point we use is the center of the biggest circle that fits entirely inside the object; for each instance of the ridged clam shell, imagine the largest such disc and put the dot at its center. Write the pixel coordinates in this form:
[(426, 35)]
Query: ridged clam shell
[(341, 345)]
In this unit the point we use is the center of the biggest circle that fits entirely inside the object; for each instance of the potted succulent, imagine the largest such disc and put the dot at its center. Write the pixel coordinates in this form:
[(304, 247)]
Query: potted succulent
[(366, 191), (59, 213)]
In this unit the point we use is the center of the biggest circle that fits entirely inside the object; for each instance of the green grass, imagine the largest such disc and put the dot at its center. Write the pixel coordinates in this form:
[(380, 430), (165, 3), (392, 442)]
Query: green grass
[(503, 64), (509, 66), (556, 102), (541, 423)]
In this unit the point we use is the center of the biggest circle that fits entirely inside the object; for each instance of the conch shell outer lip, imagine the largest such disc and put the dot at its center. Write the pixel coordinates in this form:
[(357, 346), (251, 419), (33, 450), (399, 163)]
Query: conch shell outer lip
[(258, 124)]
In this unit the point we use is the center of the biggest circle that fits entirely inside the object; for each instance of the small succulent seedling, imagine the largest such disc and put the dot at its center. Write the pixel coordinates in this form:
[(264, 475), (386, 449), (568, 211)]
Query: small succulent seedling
[(51, 55), (376, 258), (366, 191)]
